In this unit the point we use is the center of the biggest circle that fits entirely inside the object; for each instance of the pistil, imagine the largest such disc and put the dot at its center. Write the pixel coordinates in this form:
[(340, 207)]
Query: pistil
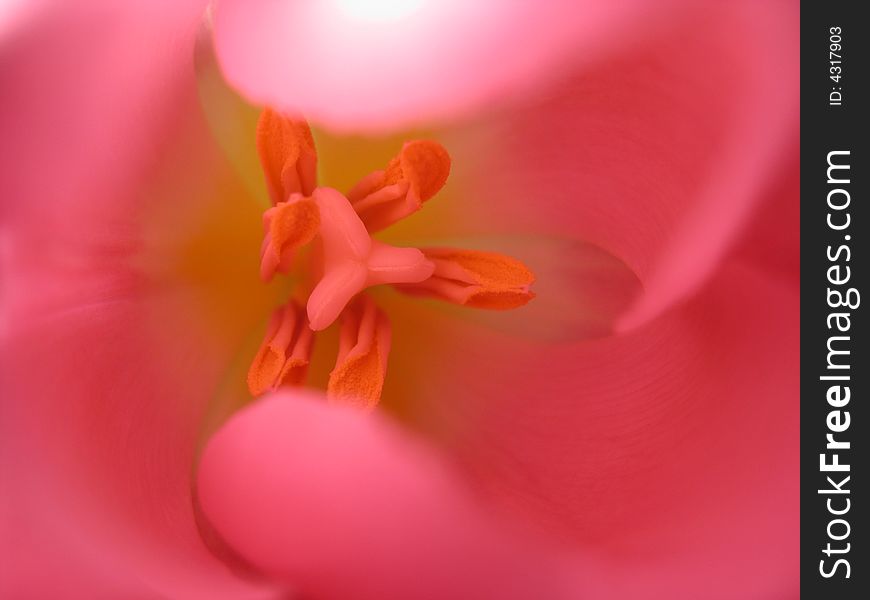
[(347, 260)]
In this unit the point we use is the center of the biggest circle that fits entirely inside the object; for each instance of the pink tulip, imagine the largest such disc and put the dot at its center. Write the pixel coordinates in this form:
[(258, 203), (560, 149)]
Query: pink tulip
[(631, 432)]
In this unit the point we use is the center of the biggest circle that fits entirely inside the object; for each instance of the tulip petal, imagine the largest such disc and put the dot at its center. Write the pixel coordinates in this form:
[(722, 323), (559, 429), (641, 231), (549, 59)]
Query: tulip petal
[(659, 154), (778, 255), (341, 504), (664, 449), (117, 265), (374, 64), (232, 121)]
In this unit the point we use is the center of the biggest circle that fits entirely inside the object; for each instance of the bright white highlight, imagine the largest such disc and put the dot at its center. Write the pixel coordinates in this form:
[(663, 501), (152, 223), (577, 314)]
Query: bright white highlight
[(13, 13), (378, 10)]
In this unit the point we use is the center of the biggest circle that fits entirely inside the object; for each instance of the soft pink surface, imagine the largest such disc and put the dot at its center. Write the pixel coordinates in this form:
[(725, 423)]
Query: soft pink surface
[(659, 153), (654, 457), (646, 446), (351, 70), (343, 504), (97, 448)]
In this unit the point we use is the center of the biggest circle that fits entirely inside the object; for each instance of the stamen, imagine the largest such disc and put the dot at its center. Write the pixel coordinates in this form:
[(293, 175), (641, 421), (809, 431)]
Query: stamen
[(282, 359), (364, 345), (475, 278), (410, 179), (288, 156), (348, 260), (353, 261), (288, 226)]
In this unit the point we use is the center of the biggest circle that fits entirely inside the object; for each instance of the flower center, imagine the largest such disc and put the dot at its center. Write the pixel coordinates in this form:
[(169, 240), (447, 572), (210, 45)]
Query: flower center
[(345, 260)]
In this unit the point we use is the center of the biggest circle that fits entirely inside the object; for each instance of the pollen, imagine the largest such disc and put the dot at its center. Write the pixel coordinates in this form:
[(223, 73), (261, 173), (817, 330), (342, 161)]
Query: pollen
[(361, 366), (346, 261), (410, 179), (283, 357), (476, 279), (287, 227)]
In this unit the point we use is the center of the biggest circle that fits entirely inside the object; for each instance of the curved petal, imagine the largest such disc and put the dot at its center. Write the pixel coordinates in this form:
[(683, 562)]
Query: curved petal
[(43, 556), (116, 268), (662, 450), (772, 239), (659, 154), (341, 504), (381, 64)]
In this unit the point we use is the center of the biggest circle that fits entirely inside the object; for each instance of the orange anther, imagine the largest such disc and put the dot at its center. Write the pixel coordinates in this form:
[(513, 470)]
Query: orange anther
[(410, 179), (283, 357), (289, 226), (474, 278), (364, 345), (288, 156)]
